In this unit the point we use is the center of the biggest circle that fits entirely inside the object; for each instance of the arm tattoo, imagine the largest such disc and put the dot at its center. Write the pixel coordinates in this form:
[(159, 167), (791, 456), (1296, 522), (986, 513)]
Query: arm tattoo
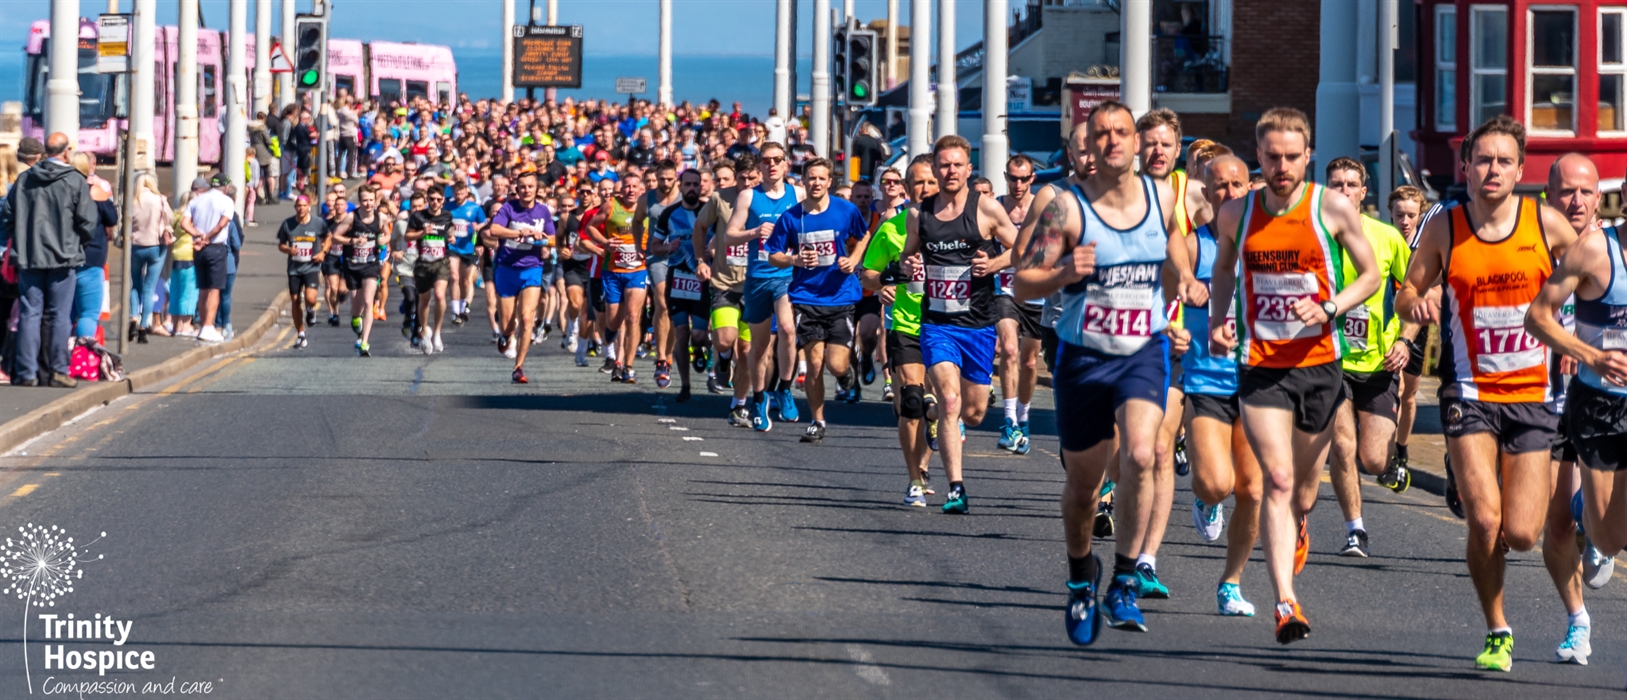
[(1047, 234)]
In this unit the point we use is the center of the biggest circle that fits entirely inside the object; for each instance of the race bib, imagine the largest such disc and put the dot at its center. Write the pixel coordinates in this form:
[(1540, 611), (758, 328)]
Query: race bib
[(626, 255), (431, 249), (917, 283), (1117, 320), (1003, 281), (949, 288), (822, 243), (304, 250), (737, 255), (460, 229), (1356, 327), (1274, 296), (1613, 339), (685, 285), (362, 253), (1501, 343)]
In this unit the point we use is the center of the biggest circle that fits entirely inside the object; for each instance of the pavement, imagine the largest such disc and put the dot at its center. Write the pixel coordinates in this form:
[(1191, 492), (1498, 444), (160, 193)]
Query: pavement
[(306, 523)]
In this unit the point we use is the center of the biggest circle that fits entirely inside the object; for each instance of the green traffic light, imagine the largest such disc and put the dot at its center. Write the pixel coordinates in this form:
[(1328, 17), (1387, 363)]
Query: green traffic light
[(308, 78), (861, 91)]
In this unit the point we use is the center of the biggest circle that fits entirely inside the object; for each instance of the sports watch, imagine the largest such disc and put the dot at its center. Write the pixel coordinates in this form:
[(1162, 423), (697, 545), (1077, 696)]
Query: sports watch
[(1330, 308)]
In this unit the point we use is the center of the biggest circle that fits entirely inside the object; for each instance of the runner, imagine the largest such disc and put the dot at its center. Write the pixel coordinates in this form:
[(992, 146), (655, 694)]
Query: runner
[(1573, 189), (663, 195), (336, 213), (468, 218), (1223, 464), (405, 257), (1288, 294), (1376, 343), (520, 234), (963, 239), (579, 258), (1018, 329), (431, 229), (361, 252), (501, 191), (687, 298), (823, 289), (1407, 204), (1495, 253), (724, 267), (304, 239), (766, 304), (625, 276), (902, 297)]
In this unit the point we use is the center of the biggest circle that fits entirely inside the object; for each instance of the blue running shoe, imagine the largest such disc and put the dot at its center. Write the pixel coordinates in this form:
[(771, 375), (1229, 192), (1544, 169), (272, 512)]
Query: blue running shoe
[(932, 435), (916, 496), (1120, 605), (1148, 584), (1022, 444), (1009, 434), (1229, 599), (956, 504), (788, 407), (759, 416), (1082, 620), (1107, 488)]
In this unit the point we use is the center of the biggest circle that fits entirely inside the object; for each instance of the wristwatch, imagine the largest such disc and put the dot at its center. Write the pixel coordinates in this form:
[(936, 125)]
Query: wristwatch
[(1330, 308)]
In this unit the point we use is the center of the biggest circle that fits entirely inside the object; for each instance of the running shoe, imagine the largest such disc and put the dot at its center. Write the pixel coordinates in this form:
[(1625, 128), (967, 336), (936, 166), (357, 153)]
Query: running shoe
[(1453, 502), (1291, 623), (815, 432), (644, 351), (333, 320), (867, 370), (663, 374), (740, 417), (1104, 519), (426, 342), (458, 319), (788, 407), (615, 374), (513, 348), (1147, 582), (702, 360), (439, 346), (608, 366), (1025, 442), (1182, 465), (364, 350), (855, 394), (581, 361), (1009, 433), (502, 345), (631, 377), (1576, 647), (802, 381), (1302, 547), (1119, 605), (1229, 599), (915, 497), (712, 387), (1396, 477), (310, 317), (887, 390), (1209, 520), (683, 395), (1499, 653), (759, 416), (593, 349), (1355, 544), (932, 435), (414, 339), (519, 376), (957, 503), (301, 341), (1596, 566), (356, 324), (1083, 621)]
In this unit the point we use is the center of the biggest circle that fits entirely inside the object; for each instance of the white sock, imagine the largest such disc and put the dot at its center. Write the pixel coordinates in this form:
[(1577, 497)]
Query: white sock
[(1580, 619), (802, 367), (1022, 412), (1011, 410), (1502, 630), (1150, 560), (1354, 525)]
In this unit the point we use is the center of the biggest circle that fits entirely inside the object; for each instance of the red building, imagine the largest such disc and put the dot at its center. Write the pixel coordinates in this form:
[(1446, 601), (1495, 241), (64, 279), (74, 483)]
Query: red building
[(1558, 67)]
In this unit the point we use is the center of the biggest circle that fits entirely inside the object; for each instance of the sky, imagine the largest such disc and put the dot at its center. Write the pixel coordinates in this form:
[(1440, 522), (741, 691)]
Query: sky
[(611, 27)]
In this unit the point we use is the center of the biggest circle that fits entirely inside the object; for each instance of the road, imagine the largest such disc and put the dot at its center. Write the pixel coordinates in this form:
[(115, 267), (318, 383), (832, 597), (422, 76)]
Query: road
[(310, 524)]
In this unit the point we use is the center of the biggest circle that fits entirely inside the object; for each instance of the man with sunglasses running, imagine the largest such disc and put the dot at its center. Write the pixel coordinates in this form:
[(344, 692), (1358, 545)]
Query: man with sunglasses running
[(1019, 328), (767, 291)]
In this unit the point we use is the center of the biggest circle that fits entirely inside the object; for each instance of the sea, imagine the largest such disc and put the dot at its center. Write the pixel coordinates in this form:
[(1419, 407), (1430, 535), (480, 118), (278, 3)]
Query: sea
[(696, 78)]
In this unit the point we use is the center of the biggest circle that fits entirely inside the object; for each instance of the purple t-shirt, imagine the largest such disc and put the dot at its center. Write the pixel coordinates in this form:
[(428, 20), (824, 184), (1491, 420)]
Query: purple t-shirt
[(523, 253)]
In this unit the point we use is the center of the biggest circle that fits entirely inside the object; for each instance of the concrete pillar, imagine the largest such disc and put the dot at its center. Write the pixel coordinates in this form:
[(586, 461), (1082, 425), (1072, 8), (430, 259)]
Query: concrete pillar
[(920, 123), (784, 95), (553, 21), (1338, 97), (1135, 66), (948, 90), (1387, 30), (664, 48), (508, 51), (186, 98), (62, 86), (143, 101), (262, 56), (819, 87), (233, 147), (996, 147), (285, 81), (892, 44)]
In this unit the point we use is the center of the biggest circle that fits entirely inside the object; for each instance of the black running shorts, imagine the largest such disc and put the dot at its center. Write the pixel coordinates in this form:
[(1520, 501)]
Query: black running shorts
[(1312, 393)]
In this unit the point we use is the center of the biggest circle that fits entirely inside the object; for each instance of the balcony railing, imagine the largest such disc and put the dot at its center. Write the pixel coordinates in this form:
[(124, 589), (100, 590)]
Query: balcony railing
[(1190, 64)]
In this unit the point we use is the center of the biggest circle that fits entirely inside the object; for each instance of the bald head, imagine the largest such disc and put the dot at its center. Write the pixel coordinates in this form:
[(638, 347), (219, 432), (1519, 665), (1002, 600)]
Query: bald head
[(1573, 188), (1225, 179), (56, 144)]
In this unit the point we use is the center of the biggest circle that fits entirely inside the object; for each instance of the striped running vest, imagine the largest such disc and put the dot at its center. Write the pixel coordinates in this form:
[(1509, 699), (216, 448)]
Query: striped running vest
[(1286, 257), (1486, 355)]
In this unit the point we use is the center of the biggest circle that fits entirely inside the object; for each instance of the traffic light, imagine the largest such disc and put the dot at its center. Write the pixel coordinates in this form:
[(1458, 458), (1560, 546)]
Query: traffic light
[(311, 36), (839, 79), (860, 71)]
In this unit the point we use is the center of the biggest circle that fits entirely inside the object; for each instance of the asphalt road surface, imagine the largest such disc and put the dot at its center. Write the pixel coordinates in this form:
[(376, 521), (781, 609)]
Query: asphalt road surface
[(305, 523)]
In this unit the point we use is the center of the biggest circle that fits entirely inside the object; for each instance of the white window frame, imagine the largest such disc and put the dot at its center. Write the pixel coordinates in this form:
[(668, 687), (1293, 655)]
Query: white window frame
[(1532, 70), (1474, 49), (1616, 69), (1446, 17)]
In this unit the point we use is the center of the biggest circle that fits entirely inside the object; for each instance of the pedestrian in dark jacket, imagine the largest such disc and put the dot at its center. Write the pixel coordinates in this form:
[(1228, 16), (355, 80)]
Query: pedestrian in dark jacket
[(53, 217)]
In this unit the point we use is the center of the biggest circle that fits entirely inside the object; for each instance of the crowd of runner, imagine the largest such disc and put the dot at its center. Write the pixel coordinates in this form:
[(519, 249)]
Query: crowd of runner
[(1241, 328)]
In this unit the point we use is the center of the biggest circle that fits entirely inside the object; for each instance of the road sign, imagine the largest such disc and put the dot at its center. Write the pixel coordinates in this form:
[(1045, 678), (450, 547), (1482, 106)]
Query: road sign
[(631, 86), (548, 57), (1019, 93), (279, 58), (113, 43)]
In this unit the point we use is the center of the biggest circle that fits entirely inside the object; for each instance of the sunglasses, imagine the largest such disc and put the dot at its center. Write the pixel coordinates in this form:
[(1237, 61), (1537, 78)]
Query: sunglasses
[(1014, 178), (771, 162), (892, 183)]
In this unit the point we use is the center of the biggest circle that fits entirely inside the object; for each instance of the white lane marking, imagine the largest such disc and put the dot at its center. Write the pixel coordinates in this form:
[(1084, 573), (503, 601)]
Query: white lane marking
[(677, 428), (708, 454), (666, 420), (867, 671), (689, 438)]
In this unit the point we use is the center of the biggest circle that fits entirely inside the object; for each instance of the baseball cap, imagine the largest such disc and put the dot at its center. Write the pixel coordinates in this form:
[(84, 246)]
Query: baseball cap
[(200, 183), (601, 155)]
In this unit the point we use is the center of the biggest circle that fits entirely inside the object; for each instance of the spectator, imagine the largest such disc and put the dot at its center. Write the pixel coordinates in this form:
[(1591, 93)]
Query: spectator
[(53, 218), (183, 277), (150, 221), (207, 218), (88, 291)]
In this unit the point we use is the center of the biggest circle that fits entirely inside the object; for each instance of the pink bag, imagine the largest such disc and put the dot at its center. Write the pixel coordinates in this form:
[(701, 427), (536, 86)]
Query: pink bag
[(85, 364)]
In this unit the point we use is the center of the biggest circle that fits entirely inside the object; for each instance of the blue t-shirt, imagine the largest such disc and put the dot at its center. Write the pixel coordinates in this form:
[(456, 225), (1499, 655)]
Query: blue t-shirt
[(464, 220), (676, 225), (826, 233), (522, 254), (766, 211)]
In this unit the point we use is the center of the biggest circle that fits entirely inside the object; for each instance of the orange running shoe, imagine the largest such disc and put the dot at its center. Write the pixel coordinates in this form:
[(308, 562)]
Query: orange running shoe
[(1302, 547), (1291, 623)]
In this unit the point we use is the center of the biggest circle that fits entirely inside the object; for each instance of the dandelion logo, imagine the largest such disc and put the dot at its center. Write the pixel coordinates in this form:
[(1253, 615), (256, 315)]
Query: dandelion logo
[(40, 566)]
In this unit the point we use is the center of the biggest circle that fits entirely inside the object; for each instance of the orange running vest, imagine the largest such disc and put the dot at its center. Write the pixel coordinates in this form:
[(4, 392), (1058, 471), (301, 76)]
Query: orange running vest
[(1486, 354), (1286, 257)]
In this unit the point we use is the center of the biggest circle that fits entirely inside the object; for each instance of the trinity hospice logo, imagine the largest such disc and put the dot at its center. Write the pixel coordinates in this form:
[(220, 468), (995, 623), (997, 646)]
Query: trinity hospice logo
[(38, 567)]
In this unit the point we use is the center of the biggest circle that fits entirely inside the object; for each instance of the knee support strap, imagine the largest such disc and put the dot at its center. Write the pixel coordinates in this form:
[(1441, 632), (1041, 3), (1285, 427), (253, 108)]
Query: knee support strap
[(912, 402)]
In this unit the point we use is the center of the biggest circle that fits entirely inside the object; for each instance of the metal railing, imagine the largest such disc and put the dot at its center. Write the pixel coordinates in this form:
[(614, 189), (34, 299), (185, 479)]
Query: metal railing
[(1190, 64)]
